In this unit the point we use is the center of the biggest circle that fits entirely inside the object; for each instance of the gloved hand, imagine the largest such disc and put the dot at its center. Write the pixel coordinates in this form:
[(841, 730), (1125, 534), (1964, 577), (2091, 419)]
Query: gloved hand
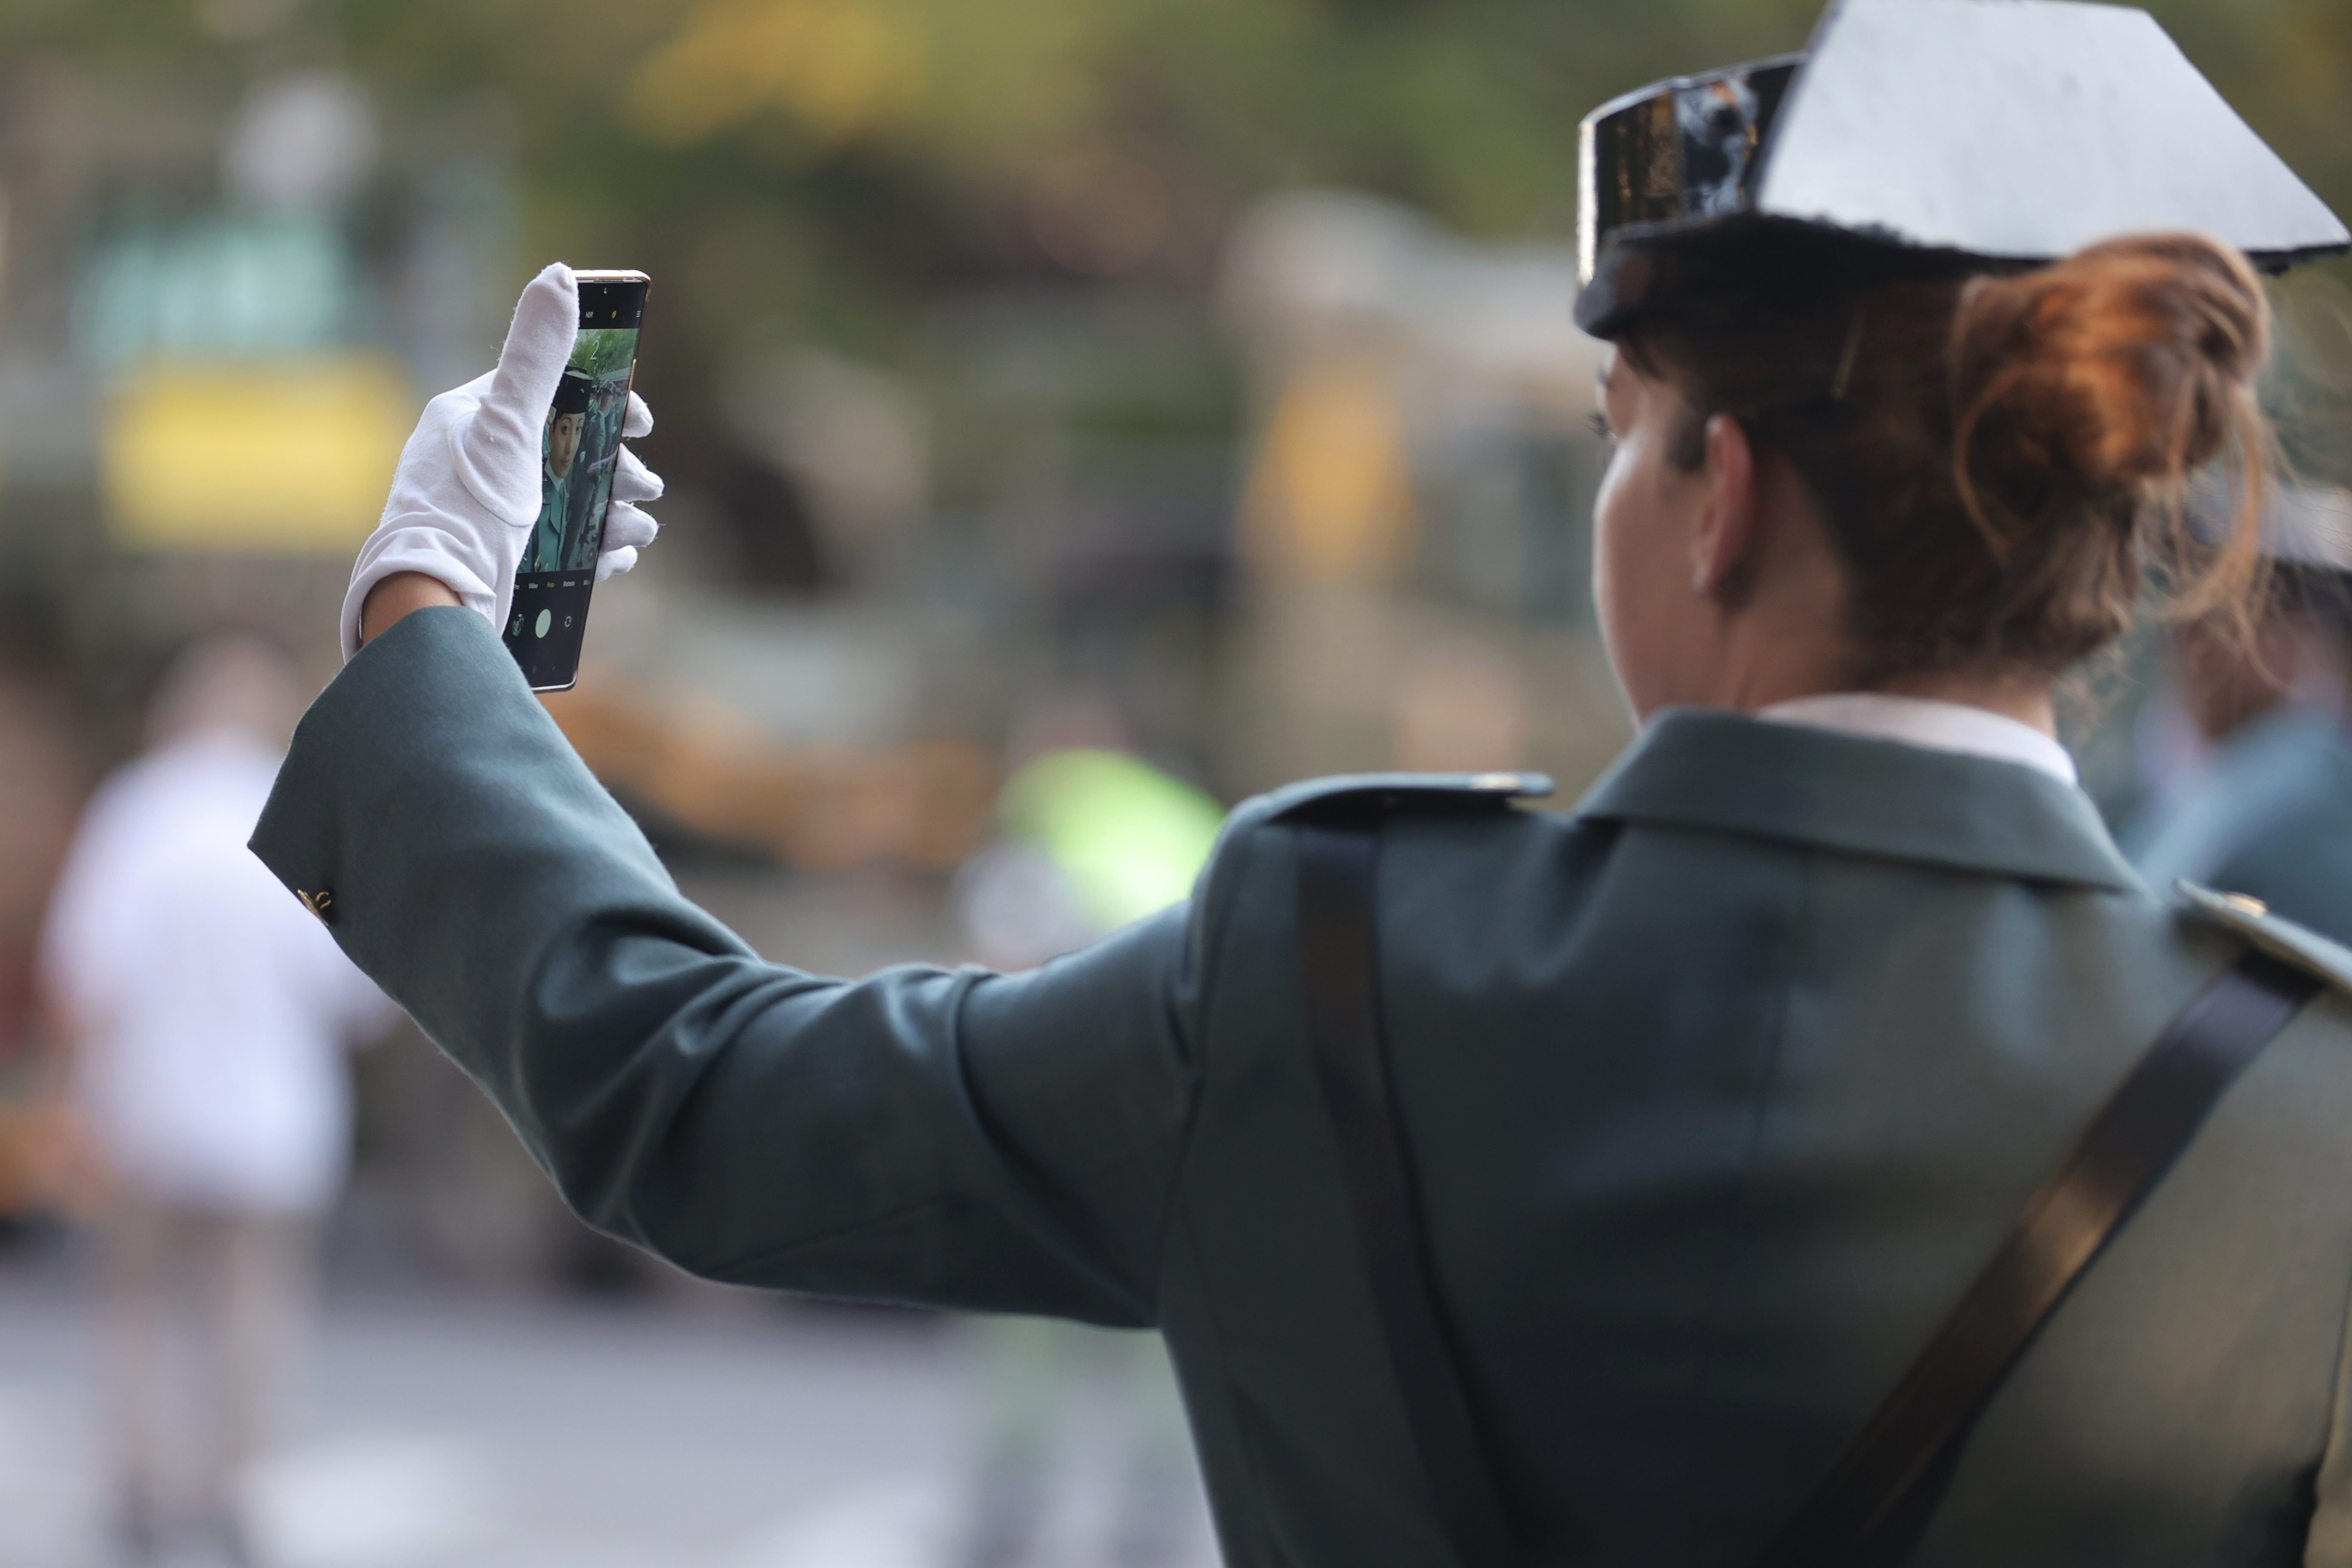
[(467, 487)]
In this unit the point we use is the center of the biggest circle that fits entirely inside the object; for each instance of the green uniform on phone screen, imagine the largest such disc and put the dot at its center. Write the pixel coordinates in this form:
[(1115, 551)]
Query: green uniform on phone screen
[(566, 422)]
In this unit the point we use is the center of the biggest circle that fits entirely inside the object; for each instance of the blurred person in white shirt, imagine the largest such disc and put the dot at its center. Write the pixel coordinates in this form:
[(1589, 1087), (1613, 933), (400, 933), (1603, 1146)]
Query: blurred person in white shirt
[(205, 1015)]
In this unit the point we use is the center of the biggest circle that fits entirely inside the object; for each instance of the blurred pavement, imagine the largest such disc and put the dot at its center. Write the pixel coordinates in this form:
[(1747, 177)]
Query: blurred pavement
[(451, 1431)]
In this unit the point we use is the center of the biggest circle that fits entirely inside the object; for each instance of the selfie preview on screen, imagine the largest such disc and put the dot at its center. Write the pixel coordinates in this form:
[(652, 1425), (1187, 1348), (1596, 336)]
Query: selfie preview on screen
[(578, 450)]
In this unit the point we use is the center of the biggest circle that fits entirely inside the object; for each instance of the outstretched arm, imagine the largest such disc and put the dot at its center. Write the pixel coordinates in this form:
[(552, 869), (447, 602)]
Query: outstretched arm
[(954, 1139)]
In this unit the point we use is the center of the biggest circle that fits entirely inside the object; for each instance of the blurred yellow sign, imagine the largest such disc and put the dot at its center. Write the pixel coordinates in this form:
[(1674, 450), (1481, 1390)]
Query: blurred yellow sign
[(290, 455), (1332, 495)]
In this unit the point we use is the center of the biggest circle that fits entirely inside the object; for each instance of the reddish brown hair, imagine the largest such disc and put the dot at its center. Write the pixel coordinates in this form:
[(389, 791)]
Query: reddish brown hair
[(2001, 460)]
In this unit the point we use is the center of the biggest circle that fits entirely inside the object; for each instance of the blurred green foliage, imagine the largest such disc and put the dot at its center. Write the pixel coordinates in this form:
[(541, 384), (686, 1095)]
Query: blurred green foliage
[(799, 168)]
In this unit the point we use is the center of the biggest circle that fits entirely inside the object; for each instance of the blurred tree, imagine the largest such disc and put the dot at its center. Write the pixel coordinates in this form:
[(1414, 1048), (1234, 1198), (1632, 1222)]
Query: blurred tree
[(814, 168)]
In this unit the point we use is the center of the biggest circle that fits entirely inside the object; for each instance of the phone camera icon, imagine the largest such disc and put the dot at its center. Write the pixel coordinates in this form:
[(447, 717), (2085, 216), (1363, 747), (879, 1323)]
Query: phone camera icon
[(546, 618)]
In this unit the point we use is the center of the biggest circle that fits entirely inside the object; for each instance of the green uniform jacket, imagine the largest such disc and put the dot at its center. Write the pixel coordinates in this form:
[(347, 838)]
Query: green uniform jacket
[(2270, 815), (1719, 1092)]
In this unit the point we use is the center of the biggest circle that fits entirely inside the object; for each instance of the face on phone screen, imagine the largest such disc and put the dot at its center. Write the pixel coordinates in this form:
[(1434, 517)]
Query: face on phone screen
[(579, 449)]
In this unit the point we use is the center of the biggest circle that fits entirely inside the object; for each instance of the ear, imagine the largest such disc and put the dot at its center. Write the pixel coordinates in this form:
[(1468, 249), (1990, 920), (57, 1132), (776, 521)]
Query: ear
[(1725, 544)]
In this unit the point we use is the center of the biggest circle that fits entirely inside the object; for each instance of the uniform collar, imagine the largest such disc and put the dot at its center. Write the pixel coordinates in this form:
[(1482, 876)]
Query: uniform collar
[(1801, 785), (1924, 722)]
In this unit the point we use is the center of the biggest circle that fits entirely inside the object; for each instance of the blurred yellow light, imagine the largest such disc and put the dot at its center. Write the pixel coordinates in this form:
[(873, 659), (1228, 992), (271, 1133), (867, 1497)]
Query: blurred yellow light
[(1332, 495), (291, 455)]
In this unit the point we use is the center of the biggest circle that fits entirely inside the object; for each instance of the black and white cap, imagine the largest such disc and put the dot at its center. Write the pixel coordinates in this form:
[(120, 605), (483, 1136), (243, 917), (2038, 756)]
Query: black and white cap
[(1961, 134), (573, 392)]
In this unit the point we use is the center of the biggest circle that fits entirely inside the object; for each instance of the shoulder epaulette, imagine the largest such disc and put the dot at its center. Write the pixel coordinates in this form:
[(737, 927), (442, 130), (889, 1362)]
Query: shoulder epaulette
[(2274, 934), (1357, 797)]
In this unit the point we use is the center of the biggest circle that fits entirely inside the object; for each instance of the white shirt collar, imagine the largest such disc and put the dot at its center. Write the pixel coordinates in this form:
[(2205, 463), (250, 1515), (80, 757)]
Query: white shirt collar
[(1923, 721)]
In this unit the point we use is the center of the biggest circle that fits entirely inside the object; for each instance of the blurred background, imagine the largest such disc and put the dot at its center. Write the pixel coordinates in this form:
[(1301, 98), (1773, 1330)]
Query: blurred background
[(1079, 414)]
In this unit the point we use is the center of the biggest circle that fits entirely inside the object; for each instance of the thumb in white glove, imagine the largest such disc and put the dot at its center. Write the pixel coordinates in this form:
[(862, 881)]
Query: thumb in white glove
[(466, 491)]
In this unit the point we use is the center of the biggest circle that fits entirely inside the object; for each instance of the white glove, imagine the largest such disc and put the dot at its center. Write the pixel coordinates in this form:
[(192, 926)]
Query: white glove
[(467, 491)]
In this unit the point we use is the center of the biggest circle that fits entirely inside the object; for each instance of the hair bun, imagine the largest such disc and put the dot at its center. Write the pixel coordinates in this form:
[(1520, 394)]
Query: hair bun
[(2002, 462), (2131, 362)]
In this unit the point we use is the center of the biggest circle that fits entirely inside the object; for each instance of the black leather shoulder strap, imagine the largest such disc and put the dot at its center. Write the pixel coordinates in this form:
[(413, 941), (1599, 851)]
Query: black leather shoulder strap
[(2135, 1138), (1339, 946), (2130, 1144)]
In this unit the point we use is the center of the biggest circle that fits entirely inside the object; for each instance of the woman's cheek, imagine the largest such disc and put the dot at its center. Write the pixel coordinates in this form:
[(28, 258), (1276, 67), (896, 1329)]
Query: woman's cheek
[(1610, 502), (1611, 577), (1637, 582)]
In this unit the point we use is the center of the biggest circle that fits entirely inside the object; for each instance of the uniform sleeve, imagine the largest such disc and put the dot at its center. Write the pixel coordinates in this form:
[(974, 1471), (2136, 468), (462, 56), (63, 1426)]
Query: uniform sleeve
[(921, 1136)]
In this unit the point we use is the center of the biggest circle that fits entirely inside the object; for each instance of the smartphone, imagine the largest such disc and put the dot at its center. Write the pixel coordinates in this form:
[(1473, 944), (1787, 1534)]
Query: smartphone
[(578, 453)]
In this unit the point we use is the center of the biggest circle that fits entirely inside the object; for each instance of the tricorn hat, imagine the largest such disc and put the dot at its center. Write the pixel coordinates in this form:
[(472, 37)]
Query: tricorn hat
[(1970, 134), (572, 393)]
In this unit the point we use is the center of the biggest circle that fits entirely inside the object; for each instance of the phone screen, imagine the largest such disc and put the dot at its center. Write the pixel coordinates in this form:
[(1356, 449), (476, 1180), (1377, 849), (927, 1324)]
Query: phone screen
[(579, 450)]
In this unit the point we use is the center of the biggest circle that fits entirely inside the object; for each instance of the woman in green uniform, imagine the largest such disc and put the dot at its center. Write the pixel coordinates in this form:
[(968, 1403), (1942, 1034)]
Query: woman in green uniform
[(1704, 1106)]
